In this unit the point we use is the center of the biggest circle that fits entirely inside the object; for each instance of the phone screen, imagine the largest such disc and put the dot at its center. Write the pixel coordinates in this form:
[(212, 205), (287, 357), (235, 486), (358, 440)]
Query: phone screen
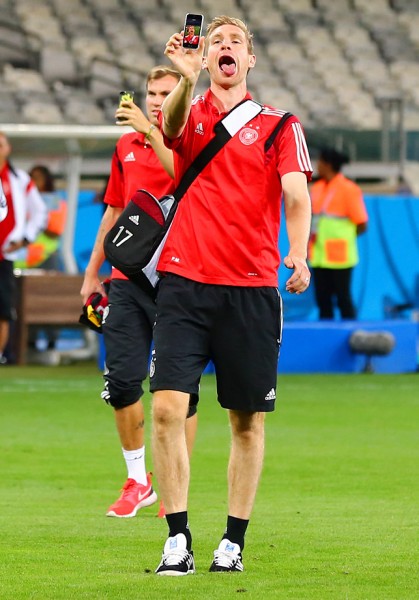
[(125, 96), (192, 31)]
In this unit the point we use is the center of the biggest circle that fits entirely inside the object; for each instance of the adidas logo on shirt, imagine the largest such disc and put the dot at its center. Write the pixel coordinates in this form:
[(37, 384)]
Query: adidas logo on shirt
[(135, 219), (129, 157), (271, 395), (199, 129)]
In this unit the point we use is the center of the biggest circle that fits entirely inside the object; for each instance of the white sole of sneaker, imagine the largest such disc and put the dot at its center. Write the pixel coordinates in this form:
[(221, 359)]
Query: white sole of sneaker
[(151, 499), (174, 573)]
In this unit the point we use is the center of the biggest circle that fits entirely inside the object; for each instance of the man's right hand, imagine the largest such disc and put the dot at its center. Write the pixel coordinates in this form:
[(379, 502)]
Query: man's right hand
[(131, 114), (187, 62), (91, 285)]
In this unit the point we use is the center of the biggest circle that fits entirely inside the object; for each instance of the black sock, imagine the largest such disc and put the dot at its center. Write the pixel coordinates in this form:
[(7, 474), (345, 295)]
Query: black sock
[(178, 523), (236, 530)]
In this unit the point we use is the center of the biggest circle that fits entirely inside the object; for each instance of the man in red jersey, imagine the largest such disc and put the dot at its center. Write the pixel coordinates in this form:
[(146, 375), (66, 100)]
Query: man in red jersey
[(140, 160), (23, 214), (190, 36), (219, 292)]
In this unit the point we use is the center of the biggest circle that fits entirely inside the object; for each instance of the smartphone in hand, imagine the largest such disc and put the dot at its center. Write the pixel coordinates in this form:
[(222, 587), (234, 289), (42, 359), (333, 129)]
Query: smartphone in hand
[(125, 96), (192, 31)]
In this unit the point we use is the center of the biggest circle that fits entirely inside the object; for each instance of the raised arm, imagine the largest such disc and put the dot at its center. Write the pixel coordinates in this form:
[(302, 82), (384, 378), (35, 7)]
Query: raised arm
[(177, 105), (131, 114)]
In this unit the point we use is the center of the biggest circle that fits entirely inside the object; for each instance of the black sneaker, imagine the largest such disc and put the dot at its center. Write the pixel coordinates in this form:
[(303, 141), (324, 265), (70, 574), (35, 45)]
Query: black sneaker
[(227, 558), (177, 559)]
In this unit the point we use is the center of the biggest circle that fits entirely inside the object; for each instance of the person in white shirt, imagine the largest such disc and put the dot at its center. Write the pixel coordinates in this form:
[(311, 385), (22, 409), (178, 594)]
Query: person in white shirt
[(23, 215)]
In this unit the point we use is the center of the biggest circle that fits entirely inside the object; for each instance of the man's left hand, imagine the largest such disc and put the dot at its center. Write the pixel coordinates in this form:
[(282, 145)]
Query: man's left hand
[(300, 280)]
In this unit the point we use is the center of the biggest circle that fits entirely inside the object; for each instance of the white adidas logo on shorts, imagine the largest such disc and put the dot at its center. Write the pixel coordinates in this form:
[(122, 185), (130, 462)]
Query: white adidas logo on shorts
[(271, 395)]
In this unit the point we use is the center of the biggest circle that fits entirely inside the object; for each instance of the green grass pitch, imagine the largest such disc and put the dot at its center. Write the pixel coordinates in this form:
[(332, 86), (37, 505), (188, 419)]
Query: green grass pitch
[(336, 515)]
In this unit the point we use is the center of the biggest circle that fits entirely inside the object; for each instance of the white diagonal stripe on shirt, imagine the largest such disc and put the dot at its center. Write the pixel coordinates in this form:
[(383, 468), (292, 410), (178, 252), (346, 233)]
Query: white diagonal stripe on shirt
[(297, 143), (240, 116), (304, 149), (300, 155)]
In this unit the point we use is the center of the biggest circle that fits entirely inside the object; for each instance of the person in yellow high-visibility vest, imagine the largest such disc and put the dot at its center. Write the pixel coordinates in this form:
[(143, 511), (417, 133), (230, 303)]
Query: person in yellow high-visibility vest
[(339, 216), (44, 251)]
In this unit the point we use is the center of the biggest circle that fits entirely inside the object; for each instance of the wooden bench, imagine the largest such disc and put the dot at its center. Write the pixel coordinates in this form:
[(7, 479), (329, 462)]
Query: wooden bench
[(46, 298)]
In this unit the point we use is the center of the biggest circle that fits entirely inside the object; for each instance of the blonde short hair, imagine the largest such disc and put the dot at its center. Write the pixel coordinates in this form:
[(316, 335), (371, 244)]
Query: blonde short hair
[(161, 71), (224, 20)]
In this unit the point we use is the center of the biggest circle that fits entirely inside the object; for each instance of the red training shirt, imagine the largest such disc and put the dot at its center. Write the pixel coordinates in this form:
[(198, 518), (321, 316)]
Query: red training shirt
[(135, 165), (227, 225), (8, 224)]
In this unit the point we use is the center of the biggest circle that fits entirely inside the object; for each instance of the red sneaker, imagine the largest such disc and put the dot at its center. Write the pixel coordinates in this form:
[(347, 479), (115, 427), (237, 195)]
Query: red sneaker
[(134, 496)]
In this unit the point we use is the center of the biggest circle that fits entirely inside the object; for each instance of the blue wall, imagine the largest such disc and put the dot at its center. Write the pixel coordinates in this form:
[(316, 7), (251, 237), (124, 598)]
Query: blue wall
[(323, 347), (89, 215), (388, 270), (387, 274)]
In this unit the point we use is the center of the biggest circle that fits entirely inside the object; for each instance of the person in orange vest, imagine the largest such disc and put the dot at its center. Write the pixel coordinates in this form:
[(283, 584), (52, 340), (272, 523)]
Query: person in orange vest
[(22, 216), (339, 216), (44, 251)]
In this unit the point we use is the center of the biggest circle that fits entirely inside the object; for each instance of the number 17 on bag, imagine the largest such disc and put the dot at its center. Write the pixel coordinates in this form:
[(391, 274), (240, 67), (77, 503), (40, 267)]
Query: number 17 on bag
[(122, 232)]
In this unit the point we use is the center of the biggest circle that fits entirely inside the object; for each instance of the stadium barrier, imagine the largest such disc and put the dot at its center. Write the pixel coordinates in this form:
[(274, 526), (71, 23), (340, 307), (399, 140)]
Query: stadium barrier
[(43, 299), (323, 347)]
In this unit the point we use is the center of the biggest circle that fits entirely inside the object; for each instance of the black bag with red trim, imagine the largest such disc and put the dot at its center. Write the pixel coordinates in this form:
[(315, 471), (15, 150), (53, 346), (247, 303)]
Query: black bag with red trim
[(134, 244)]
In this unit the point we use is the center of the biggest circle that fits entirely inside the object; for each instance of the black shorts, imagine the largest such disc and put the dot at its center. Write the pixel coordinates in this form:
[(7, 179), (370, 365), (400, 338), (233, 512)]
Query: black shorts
[(238, 328), (128, 332), (7, 291)]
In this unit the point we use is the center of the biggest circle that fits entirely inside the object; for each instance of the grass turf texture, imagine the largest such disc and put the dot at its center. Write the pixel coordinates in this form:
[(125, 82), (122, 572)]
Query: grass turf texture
[(336, 514)]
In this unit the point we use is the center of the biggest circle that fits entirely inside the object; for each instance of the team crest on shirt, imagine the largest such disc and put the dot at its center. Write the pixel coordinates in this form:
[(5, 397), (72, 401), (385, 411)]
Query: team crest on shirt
[(248, 136)]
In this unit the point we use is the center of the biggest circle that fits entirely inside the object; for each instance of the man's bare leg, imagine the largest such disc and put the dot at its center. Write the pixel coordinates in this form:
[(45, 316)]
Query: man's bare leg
[(246, 460), (4, 335), (244, 468), (171, 460), (137, 491), (170, 452), (191, 426), (130, 425)]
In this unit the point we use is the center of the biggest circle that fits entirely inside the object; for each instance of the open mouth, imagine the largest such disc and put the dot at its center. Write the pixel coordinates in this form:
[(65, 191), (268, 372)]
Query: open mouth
[(227, 65)]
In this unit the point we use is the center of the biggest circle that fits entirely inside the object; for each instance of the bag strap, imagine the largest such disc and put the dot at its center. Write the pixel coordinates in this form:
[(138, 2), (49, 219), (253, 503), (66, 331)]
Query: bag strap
[(224, 131), (276, 130)]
